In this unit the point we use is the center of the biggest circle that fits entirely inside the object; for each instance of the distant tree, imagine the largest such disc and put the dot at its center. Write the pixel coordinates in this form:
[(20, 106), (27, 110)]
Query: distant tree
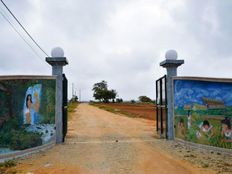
[(119, 100), (74, 98), (133, 101), (102, 93), (112, 94), (144, 99)]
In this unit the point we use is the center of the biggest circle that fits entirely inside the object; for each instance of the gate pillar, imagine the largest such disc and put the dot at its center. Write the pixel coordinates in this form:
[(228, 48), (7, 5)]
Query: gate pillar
[(171, 64), (57, 61)]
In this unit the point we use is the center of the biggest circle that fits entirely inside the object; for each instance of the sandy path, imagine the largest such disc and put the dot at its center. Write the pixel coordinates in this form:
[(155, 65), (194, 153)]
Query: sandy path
[(99, 142)]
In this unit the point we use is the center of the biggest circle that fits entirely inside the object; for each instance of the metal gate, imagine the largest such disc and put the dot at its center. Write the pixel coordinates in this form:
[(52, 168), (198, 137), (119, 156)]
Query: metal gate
[(65, 106), (161, 107)]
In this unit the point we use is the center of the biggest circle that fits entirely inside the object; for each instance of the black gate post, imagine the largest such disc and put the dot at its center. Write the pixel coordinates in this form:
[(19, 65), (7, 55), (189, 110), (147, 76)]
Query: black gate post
[(161, 104), (65, 106), (157, 111)]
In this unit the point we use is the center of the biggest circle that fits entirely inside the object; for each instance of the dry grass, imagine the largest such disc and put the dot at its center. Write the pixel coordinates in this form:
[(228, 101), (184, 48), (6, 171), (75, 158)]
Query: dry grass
[(142, 110)]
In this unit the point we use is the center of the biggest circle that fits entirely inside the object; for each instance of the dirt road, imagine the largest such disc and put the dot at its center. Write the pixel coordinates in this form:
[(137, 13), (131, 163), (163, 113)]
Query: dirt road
[(99, 142)]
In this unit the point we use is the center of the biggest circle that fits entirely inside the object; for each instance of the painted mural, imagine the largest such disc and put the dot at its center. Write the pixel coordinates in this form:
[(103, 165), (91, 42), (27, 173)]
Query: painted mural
[(27, 114), (203, 112)]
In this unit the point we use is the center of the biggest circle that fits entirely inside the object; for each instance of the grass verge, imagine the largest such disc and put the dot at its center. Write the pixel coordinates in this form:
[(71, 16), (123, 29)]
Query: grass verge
[(7, 167), (71, 108)]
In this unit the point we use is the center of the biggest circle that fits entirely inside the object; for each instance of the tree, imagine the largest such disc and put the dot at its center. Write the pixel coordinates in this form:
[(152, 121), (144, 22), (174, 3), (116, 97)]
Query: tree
[(144, 99), (102, 93), (133, 101), (119, 100)]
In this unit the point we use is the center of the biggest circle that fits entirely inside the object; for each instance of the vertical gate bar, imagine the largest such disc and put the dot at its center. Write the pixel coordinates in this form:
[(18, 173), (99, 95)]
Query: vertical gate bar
[(161, 103), (166, 110), (65, 105), (157, 117)]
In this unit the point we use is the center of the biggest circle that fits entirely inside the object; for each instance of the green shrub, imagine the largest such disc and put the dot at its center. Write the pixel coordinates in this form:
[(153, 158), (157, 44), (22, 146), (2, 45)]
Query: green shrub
[(16, 138), (22, 140)]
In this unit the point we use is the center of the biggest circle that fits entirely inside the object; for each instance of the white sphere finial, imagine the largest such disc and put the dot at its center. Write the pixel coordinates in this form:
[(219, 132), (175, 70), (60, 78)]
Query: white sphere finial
[(57, 52), (171, 55)]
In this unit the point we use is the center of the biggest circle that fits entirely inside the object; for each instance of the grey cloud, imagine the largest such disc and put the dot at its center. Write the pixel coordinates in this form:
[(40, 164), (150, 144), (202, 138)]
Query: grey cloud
[(120, 41)]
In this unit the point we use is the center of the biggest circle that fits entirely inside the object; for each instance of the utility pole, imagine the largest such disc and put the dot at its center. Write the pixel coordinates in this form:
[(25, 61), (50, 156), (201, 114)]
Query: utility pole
[(80, 95), (72, 90)]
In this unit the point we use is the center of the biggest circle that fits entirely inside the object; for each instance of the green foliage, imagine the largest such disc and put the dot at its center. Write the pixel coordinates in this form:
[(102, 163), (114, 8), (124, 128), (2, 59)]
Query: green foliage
[(5, 167), (180, 111), (191, 135), (9, 163), (133, 101), (16, 138), (21, 140), (74, 98), (215, 140), (119, 100), (102, 93), (211, 112), (144, 99), (47, 108), (72, 106)]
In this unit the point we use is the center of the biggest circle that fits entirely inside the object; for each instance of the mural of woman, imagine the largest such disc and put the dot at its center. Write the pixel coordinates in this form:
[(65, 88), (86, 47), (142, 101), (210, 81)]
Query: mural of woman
[(28, 108), (226, 132), (32, 104)]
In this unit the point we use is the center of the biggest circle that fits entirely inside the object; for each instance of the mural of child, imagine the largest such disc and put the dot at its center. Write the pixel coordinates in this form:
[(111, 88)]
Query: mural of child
[(206, 131), (189, 117), (29, 104), (226, 130), (181, 129)]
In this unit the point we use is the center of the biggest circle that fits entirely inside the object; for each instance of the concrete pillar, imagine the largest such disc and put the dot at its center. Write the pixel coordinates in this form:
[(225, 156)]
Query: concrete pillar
[(171, 63), (57, 64)]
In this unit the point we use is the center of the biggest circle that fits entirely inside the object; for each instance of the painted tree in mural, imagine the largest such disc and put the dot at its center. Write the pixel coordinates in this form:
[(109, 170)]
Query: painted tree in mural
[(5, 105)]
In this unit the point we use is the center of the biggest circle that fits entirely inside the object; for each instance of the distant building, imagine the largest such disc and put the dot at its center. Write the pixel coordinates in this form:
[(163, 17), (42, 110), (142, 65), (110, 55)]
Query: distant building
[(213, 104), (197, 107)]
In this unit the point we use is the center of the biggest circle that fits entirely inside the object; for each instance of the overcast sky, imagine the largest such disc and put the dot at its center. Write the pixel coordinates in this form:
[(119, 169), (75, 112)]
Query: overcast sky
[(120, 41)]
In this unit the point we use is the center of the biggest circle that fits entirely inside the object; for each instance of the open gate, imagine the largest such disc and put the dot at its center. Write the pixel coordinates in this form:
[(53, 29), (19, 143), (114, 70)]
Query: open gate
[(161, 106), (65, 106)]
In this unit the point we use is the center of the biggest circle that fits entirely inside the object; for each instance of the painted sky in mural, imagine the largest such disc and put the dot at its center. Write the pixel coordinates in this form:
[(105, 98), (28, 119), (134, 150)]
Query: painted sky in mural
[(187, 91)]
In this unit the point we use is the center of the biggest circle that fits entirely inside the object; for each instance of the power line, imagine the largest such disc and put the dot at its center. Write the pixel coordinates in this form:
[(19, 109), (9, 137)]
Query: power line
[(21, 36), (24, 28)]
